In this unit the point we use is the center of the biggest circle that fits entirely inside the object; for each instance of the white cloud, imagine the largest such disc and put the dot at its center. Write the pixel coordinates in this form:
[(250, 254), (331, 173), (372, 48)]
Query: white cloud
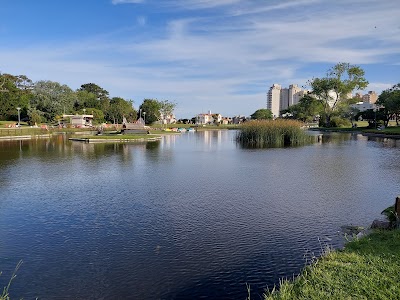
[(222, 62)]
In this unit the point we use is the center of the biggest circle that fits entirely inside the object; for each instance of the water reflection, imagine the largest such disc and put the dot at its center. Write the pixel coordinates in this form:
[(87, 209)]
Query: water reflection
[(190, 216)]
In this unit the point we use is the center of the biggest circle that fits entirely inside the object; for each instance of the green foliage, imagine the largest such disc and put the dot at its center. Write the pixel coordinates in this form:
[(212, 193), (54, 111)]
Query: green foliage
[(268, 133), (14, 92), (339, 122), (307, 110), (152, 109), (390, 214), (120, 108), (98, 115), (52, 99), (367, 268), (389, 102), (262, 114), (35, 116), (94, 96), (334, 89), (167, 107)]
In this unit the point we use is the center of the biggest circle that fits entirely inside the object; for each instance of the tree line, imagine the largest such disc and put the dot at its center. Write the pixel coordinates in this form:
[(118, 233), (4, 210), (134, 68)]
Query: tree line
[(330, 102), (46, 101)]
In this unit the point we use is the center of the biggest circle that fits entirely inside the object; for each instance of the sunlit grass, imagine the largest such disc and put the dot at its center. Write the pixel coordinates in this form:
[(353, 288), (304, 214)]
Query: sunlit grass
[(368, 268), (273, 133)]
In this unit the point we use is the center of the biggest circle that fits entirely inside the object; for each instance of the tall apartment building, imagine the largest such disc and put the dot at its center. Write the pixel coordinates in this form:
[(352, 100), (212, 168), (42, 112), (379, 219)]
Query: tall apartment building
[(371, 97), (279, 98), (274, 99)]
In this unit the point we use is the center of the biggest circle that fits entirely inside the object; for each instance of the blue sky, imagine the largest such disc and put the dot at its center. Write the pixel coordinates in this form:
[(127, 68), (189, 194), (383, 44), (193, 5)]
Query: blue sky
[(218, 55)]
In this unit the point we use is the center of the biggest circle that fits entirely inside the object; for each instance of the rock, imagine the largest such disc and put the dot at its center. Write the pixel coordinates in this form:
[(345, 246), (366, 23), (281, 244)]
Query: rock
[(379, 224)]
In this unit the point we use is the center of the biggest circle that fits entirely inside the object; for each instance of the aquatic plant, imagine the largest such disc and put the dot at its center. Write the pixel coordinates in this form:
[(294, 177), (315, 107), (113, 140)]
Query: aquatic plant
[(273, 133)]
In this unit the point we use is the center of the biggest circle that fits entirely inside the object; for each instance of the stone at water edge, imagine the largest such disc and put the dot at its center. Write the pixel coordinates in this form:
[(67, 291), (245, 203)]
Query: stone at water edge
[(379, 224)]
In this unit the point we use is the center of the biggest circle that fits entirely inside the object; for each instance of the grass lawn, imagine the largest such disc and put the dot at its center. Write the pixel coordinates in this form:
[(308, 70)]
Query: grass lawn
[(368, 268), (387, 130)]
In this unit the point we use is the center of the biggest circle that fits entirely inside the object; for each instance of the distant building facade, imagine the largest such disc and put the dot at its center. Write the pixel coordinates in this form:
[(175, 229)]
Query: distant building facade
[(279, 98), (371, 97), (167, 119), (208, 118), (274, 99), (79, 120)]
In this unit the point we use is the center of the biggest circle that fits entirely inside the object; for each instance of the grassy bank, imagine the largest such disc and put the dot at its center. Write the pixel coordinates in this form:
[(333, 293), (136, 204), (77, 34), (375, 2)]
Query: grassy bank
[(368, 268), (277, 133)]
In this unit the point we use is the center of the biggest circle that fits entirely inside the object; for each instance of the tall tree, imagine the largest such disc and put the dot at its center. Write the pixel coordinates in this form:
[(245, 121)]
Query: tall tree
[(85, 99), (389, 104), (167, 107), (119, 108), (101, 95), (152, 109), (13, 95), (340, 81), (53, 99)]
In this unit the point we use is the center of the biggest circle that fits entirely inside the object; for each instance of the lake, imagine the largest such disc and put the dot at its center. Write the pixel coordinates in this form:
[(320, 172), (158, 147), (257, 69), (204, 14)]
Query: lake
[(193, 216)]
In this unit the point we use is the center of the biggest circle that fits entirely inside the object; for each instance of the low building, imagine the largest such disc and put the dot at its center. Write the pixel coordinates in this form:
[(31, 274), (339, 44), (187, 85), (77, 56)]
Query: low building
[(79, 120), (208, 119), (362, 106), (167, 119)]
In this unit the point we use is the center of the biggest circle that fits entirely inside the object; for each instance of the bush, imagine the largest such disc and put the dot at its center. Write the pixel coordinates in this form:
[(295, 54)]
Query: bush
[(339, 122)]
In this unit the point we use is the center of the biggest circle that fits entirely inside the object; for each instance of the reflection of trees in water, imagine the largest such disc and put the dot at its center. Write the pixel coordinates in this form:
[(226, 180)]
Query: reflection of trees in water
[(336, 137), (385, 142)]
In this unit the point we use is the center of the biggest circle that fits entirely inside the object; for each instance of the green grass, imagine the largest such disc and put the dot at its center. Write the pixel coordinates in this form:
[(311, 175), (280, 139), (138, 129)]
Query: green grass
[(22, 131), (387, 130), (368, 268), (273, 133)]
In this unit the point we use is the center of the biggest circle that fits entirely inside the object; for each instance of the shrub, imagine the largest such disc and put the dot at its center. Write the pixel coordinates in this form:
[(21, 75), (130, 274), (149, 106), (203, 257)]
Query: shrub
[(339, 122)]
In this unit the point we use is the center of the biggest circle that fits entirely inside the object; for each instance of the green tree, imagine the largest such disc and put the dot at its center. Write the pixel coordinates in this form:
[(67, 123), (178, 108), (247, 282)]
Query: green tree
[(13, 94), (101, 95), (35, 116), (307, 110), (262, 114), (340, 81), (389, 104), (98, 115), (85, 99), (152, 109), (166, 108), (52, 98), (120, 108)]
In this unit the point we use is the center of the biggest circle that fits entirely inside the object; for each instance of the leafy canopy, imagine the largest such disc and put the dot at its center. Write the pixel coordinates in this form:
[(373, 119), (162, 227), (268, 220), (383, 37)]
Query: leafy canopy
[(262, 114)]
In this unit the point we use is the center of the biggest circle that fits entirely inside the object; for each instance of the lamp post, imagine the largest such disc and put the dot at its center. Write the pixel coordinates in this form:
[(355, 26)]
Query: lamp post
[(19, 118), (144, 117)]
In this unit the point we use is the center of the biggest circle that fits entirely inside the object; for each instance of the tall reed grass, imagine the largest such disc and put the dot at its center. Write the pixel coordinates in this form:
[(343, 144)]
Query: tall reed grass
[(273, 133)]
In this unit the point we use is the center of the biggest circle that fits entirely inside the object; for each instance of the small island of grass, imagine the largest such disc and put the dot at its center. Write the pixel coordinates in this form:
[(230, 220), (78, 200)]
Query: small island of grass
[(273, 133)]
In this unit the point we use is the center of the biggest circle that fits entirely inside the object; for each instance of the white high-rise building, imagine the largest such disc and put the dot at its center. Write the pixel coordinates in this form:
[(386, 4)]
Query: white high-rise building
[(295, 94), (274, 99), (279, 98)]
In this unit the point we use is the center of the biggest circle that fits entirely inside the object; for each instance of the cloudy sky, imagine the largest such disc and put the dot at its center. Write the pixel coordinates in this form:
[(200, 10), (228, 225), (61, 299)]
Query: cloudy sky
[(218, 55)]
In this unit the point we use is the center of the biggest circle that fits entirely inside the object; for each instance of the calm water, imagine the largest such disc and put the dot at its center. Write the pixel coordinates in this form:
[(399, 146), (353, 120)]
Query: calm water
[(190, 217)]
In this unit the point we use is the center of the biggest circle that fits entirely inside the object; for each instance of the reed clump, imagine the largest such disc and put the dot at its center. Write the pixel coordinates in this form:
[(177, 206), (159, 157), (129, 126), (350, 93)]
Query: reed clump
[(273, 133)]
